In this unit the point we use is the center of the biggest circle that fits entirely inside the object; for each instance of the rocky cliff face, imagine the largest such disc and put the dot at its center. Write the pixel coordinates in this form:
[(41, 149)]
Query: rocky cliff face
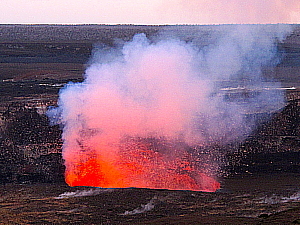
[(31, 149), (36, 61), (275, 145)]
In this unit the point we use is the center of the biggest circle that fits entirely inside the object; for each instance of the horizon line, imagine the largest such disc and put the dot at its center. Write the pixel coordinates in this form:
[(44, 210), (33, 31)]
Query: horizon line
[(140, 24)]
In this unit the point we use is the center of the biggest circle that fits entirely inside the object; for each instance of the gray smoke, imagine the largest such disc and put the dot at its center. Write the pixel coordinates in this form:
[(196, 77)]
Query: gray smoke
[(174, 89)]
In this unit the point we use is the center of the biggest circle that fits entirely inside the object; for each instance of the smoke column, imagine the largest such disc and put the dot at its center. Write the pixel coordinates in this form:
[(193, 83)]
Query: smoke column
[(148, 110)]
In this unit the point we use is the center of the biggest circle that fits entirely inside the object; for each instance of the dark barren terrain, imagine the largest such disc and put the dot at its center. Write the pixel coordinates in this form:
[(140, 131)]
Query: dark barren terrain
[(262, 181)]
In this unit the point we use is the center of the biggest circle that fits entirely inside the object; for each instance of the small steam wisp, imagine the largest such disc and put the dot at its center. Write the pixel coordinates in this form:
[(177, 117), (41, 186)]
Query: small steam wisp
[(146, 110)]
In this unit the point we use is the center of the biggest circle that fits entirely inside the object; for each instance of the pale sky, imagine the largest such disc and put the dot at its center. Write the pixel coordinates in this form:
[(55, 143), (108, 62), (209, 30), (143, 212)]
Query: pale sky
[(149, 11)]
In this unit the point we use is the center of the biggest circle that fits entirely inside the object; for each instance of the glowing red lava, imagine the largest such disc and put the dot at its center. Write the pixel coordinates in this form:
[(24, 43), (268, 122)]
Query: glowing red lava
[(140, 168), (142, 108), (129, 123)]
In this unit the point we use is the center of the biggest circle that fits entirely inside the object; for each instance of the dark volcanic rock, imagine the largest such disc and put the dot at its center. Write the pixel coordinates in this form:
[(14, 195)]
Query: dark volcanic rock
[(275, 145), (30, 148), (25, 126), (50, 167)]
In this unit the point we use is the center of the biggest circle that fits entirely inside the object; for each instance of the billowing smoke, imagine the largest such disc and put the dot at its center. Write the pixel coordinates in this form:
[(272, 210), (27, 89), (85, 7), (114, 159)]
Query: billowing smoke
[(147, 110)]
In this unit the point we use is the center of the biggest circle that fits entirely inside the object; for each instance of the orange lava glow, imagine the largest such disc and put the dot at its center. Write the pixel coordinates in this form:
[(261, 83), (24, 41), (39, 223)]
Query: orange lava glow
[(134, 121), (140, 168)]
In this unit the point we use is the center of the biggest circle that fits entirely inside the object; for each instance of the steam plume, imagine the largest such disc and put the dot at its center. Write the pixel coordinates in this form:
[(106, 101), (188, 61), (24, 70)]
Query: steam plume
[(147, 110)]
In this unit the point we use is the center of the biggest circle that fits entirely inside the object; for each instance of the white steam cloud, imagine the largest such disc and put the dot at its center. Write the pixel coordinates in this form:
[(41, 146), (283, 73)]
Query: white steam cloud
[(171, 90)]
